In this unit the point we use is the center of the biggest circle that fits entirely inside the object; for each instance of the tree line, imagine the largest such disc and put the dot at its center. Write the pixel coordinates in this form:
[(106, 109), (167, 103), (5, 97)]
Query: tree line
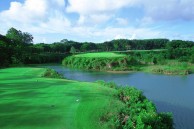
[(16, 47)]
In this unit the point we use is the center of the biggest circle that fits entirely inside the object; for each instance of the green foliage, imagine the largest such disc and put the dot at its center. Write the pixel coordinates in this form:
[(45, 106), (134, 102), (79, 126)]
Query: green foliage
[(136, 112), (44, 58), (72, 50), (27, 38), (4, 53), (87, 47), (50, 73), (140, 113), (124, 44), (100, 61), (192, 55), (149, 61), (172, 67), (14, 34), (18, 36), (15, 61), (16, 47)]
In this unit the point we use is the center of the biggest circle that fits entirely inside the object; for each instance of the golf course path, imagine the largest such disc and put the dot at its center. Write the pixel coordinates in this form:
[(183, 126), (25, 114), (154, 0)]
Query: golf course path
[(29, 101)]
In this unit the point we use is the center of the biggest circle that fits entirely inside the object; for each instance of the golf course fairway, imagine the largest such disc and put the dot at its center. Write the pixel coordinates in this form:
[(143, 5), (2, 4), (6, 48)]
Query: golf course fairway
[(29, 101)]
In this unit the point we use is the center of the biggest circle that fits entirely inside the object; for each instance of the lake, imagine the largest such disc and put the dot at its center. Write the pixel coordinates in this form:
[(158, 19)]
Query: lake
[(169, 93)]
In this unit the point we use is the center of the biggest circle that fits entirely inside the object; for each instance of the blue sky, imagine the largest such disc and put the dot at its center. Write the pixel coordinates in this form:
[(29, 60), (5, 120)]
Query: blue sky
[(99, 20)]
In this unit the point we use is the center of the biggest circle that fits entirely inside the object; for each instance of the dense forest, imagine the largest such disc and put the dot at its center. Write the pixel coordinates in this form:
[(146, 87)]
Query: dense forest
[(16, 47)]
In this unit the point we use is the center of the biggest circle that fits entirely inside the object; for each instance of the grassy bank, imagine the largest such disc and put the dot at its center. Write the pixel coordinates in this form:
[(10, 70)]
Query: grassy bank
[(135, 61), (29, 101), (172, 67), (99, 61)]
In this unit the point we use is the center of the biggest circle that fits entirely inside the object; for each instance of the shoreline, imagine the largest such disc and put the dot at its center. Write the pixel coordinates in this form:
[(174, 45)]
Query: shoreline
[(146, 69), (118, 72)]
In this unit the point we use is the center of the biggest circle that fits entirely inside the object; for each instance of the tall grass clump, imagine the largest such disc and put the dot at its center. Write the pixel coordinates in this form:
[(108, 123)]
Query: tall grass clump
[(173, 67)]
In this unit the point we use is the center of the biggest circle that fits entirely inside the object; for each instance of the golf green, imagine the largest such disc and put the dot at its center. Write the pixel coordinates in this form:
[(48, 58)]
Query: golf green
[(29, 101), (101, 55)]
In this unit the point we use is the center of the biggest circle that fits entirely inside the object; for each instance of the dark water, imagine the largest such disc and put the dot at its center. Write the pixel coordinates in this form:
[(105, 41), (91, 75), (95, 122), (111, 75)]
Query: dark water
[(169, 93)]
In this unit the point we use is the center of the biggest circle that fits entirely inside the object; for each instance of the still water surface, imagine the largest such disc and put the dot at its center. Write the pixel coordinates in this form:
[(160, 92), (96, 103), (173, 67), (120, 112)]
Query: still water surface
[(169, 93)]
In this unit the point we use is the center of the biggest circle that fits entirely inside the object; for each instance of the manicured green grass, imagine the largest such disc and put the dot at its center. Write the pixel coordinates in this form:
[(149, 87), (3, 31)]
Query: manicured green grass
[(29, 101), (101, 54)]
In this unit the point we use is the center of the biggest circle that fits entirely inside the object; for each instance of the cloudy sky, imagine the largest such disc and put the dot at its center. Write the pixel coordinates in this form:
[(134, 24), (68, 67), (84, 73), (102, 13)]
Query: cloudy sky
[(99, 20)]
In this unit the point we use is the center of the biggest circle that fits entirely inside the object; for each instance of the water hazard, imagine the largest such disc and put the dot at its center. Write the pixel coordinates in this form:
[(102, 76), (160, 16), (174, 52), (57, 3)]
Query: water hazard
[(169, 93)]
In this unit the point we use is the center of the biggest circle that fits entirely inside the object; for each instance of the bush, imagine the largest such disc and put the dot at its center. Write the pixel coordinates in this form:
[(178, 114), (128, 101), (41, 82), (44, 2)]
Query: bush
[(141, 113), (50, 73), (137, 113)]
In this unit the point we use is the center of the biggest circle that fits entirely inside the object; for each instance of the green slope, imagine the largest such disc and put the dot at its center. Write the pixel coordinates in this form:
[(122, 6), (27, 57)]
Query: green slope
[(29, 101)]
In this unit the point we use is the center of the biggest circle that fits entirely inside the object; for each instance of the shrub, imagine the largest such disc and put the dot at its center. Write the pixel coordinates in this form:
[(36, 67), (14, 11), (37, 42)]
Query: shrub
[(138, 112), (141, 113), (50, 73)]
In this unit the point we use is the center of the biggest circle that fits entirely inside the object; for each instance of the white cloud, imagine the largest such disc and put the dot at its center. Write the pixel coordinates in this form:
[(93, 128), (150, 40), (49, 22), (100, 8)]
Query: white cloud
[(100, 18), (36, 16), (169, 9), (44, 40), (155, 9), (116, 33), (145, 21), (133, 36), (2, 32), (129, 32), (60, 2), (87, 7), (56, 23), (97, 11), (120, 37), (95, 18), (122, 21), (82, 20), (31, 10)]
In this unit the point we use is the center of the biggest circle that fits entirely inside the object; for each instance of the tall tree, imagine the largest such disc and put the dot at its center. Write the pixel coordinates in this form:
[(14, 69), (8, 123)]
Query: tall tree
[(19, 36), (14, 35), (72, 50), (27, 38)]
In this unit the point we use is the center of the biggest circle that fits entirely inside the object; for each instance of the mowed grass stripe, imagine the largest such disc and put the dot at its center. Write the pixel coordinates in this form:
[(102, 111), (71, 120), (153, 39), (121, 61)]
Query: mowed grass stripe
[(29, 101)]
